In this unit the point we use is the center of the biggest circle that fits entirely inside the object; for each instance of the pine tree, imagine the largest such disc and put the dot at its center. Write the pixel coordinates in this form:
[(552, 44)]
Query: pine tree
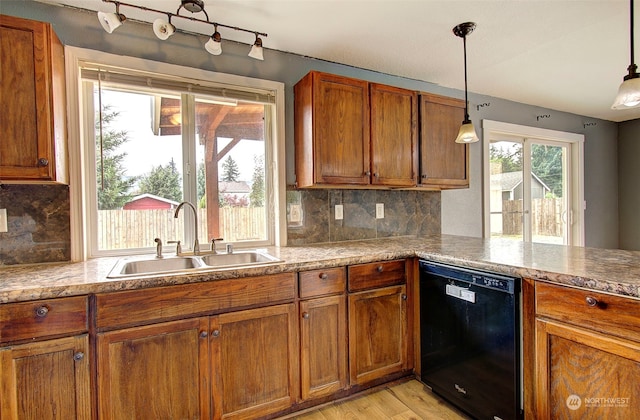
[(256, 197), (163, 181), (113, 184), (230, 171)]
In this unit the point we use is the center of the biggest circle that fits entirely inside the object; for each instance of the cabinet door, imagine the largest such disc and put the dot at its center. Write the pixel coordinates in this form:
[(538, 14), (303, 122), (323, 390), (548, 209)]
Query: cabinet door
[(377, 333), (255, 368), (443, 162), (46, 380), (341, 130), (31, 120), (154, 372), (394, 114), (323, 346), (585, 375)]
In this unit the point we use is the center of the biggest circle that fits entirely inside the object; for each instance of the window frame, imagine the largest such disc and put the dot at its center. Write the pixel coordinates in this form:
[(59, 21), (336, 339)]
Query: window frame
[(575, 142), (81, 155)]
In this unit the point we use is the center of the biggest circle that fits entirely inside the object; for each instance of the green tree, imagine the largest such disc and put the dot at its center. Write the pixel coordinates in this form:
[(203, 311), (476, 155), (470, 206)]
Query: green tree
[(546, 163), (163, 181), (256, 197), (230, 171), (510, 159), (113, 184), (201, 185)]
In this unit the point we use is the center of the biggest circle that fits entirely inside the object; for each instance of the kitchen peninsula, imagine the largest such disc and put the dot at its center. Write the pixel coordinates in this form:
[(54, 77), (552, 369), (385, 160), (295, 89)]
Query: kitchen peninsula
[(585, 299)]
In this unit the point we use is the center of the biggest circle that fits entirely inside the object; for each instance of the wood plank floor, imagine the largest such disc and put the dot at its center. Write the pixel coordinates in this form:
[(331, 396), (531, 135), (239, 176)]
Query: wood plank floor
[(396, 401)]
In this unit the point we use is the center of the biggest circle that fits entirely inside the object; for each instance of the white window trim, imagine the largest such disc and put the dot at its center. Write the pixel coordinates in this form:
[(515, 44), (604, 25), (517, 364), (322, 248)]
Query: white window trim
[(78, 152), (491, 129)]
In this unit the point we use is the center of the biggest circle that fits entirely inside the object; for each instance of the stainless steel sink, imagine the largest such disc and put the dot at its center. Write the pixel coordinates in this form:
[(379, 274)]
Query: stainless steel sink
[(152, 265), (238, 258)]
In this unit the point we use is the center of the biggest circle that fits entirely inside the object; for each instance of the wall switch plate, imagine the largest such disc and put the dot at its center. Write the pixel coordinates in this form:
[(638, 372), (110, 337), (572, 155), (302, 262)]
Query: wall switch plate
[(3, 220), (339, 212), (379, 210), (295, 213)]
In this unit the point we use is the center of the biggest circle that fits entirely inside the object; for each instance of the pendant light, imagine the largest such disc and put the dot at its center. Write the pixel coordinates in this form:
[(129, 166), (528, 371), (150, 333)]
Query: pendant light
[(629, 91), (467, 133)]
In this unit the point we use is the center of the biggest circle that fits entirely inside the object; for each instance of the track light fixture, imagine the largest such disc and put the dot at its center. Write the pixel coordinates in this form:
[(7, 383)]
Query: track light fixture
[(467, 133), (164, 29), (256, 49), (629, 91)]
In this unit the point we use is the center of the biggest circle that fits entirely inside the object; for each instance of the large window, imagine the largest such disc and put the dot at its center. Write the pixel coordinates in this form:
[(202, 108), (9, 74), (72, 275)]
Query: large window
[(533, 184), (153, 140)]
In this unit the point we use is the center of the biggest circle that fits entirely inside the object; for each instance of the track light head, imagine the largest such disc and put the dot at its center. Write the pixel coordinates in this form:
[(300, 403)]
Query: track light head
[(111, 21), (256, 49), (163, 29), (214, 44)]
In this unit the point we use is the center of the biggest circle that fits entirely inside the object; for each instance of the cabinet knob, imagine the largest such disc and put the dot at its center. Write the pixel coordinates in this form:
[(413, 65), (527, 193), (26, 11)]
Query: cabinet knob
[(215, 333), (78, 356), (379, 269), (204, 334), (591, 301), (404, 297), (43, 162), (424, 176), (323, 276), (368, 173), (42, 311), (377, 175), (305, 315)]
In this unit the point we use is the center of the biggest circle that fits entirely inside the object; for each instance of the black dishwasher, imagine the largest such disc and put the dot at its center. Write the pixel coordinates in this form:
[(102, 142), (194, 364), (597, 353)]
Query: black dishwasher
[(470, 339)]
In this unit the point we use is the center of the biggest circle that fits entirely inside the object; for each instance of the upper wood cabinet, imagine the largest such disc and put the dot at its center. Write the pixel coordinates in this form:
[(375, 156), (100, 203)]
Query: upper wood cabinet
[(349, 132), (443, 162), (32, 102)]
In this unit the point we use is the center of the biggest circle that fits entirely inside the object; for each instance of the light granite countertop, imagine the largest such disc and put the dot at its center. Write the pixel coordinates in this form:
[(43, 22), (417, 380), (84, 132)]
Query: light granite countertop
[(612, 271)]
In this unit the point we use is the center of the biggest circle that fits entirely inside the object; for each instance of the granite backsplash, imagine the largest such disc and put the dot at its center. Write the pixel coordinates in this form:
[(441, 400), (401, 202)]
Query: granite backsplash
[(39, 227), (39, 223)]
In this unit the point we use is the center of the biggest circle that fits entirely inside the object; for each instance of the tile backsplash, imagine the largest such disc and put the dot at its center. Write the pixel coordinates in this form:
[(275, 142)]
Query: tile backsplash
[(39, 228), (405, 213)]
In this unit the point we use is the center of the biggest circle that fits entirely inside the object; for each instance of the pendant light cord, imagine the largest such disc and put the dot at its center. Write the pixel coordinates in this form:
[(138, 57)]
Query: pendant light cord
[(466, 95), (631, 30)]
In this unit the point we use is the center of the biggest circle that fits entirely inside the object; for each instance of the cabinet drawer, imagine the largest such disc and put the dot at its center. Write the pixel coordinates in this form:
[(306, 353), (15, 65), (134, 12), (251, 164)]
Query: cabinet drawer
[(322, 282), (373, 275), (119, 309), (614, 315), (43, 318)]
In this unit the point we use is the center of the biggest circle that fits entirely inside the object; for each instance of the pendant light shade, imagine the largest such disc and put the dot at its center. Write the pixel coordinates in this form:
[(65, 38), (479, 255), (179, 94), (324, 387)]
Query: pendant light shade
[(214, 44), (629, 91), (163, 29), (467, 133)]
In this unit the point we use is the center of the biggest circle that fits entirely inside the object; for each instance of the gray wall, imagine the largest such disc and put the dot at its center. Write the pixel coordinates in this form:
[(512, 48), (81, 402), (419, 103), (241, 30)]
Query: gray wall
[(629, 188), (461, 210)]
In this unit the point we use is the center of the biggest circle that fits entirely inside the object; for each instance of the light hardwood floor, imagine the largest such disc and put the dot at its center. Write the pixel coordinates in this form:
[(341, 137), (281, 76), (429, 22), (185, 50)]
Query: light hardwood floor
[(396, 401)]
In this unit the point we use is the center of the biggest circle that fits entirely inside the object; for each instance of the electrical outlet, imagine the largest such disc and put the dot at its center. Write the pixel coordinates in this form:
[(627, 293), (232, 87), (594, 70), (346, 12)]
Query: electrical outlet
[(295, 213), (379, 210), (339, 212), (3, 220)]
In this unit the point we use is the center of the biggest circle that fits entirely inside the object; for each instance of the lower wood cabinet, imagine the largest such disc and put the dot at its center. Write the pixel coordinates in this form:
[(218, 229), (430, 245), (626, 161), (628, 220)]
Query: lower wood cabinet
[(323, 346), (254, 362), (158, 371), (237, 365), (46, 380), (377, 333), (587, 354)]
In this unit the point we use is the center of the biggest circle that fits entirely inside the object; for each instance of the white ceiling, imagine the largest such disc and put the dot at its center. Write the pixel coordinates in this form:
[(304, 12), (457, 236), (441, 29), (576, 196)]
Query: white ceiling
[(567, 55)]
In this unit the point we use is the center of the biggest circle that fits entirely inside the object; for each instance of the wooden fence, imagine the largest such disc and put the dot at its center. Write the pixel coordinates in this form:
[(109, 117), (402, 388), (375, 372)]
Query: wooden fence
[(546, 219), (118, 229)]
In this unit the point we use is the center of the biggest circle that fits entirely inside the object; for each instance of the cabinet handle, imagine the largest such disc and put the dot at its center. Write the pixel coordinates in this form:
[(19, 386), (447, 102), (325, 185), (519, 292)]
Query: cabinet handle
[(43, 162), (591, 301), (42, 311), (78, 356), (215, 333), (404, 297), (204, 334), (305, 315), (379, 269), (323, 276)]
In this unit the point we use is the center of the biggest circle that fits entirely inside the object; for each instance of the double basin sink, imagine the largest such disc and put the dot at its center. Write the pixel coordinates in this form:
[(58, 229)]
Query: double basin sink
[(152, 265)]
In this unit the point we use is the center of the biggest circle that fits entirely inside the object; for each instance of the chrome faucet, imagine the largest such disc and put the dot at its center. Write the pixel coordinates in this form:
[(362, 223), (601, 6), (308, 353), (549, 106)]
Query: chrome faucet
[(196, 245)]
